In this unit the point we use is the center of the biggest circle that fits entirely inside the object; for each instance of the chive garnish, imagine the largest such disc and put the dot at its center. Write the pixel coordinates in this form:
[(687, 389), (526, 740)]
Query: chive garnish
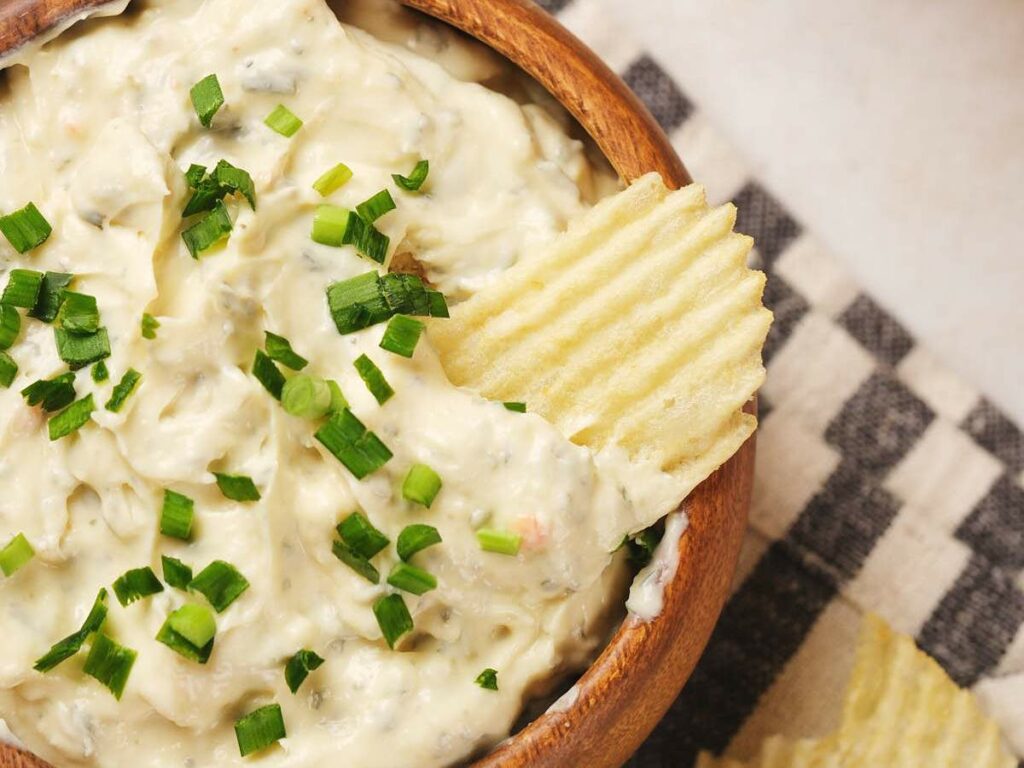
[(361, 536), (72, 418), (194, 175), (148, 326), (409, 578), (237, 487), (330, 223), (23, 287), (280, 349), (421, 485), (199, 622), (51, 296), (414, 180), (176, 515), (351, 443), (356, 562), (207, 98), (136, 584), (366, 238), (488, 679), (299, 666), (515, 407), (212, 229), (333, 180), (72, 644), (100, 373), (8, 370), (393, 618), (283, 121), (374, 379), (368, 299), (502, 542), (307, 397), (268, 374), (15, 555), (25, 229), (376, 206), (220, 583), (260, 729), (109, 663), (10, 325), (80, 350), (338, 401), (234, 180), (79, 313), (52, 394), (438, 307), (176, 573), (123, 390), (416, 537), (402, 335)]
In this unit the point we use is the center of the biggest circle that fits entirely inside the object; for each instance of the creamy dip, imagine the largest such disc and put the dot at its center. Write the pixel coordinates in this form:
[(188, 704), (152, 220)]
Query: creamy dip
[(96, 128)]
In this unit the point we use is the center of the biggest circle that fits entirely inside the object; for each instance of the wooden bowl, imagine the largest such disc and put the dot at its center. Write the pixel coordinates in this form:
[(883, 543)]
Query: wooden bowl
[(627, 690)]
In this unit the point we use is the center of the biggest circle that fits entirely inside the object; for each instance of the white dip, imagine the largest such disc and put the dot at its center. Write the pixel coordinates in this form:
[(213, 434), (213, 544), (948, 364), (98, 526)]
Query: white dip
[(96, 129)]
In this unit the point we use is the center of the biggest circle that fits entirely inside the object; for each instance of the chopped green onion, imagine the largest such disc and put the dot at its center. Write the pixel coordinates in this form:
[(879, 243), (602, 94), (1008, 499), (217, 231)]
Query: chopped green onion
[(330, 223), (298, 668), (237, 487), (356, 562), (15, 555), (79, 314), (212, 229), (51, 296), (8, 370), (72, 418), (72, 644), (502, 542), (187, 617), (195, 174), (53, 394), (361, 536), (414, 180), (438, 307), (488, 679), (283, 121), (79, 350), (260, 729), (195, 623), (393, 618), (235, 180), (368, 299), (148, 326), (280, 349), (25, 229), (402, 335), (100, 373), (123, 390), (176, 573), (176, 515), (333, 180), (207, 98), (268, 374), (421, 485), (375, 207), (206, 195), (136, 584), (351, 443), (405, 294), (109, 663), (220, 583), (23, 287), (641, 547), (338, 401), (366, 238), (374, 379), (10, 325), (307, 397), (515, 407), (409, 578), (416, 537)]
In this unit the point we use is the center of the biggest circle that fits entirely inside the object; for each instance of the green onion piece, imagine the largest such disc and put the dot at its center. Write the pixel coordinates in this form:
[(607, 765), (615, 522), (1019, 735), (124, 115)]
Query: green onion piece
[(25, 229), (356, 562), (10, 325), (79, 350), (488, 679), (416, 537), (333, 180), (53, 394), (206, 195), (8, 370), (207, 98), (414, 180), (357, 303), (338, 401), (330, 223), (181, 644), (220, 583), (298, 668), (237, 487), (515, 407), (136, 584), (283, 121), (366, 238), (195, 623), (641, 547), (176, 573), (15, 555), (235, 180), (393, 618), (212, 229), (421, 485), (280, 349), (148, 326), (502, 542), (100, 373), (351, 443), (176, 515), (438, 307), (268, 374), (72, 644), (374, 379), (72, 418), (361, 536), (195, 174), (51, 296), (375, 207), (260, 729), (109, 663), (123, 390), (307, 397), (409, 578), (79, 314), (402, 335), (23, 287)]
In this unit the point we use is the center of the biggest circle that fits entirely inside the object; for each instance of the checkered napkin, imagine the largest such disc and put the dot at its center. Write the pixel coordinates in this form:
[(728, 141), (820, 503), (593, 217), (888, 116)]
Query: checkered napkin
[(884, 483)]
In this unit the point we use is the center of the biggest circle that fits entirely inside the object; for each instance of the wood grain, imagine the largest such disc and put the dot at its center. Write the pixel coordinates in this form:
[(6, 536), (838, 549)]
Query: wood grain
[(631, 685)]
